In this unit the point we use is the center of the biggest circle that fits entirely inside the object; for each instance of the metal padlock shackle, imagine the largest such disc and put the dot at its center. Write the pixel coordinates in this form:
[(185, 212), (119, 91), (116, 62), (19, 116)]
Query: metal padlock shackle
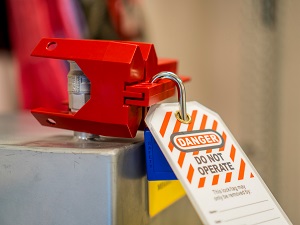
[(181, 115)]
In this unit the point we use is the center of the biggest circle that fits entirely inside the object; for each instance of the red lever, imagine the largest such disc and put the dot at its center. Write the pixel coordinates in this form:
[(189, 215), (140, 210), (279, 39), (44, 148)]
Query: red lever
[(120, 92)]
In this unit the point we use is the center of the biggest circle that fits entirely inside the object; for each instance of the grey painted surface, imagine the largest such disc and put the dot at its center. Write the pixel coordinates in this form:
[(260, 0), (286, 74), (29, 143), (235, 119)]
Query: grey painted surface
[(53, 179)]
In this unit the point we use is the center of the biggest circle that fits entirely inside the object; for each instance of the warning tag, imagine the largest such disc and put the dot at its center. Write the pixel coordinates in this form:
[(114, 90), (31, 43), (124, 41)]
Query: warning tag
[(217, 176)]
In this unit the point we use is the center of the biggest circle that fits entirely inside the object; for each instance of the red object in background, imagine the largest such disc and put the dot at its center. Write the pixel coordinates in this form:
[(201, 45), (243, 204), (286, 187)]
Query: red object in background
[(119, 73), (126, 18), (29, 21)]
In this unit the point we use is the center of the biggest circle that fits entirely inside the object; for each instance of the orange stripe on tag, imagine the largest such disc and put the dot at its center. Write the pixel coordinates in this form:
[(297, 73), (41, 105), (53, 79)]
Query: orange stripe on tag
[(201, 182), (196, 153), (214, 127), (208, 151), (176, 129), (224, 136), (202, 127), (181, 158), (215, 179), (242, 170), (203, 122), (215, 124), (251, 175), (193, 118), (190, 127), (190, 173), (232, 153), (165, 123), (171, 147), (228, 177)]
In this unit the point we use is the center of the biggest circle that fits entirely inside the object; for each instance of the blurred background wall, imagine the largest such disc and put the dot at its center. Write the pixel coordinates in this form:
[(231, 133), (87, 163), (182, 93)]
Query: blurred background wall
[(243, 59)]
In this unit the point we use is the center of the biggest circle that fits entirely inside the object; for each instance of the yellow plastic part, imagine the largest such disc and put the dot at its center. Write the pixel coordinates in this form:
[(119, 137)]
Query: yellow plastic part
[(162, 194)]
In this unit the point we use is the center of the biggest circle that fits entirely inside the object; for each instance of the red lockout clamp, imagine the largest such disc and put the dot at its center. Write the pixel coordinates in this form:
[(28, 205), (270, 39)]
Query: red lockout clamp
[(108, 85)]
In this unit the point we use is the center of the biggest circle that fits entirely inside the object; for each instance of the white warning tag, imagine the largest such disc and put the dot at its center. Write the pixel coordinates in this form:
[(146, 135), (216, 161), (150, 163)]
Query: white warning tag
[(219, 179)]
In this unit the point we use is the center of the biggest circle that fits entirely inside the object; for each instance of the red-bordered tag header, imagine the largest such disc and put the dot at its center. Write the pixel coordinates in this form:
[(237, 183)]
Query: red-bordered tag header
[(190, 141)]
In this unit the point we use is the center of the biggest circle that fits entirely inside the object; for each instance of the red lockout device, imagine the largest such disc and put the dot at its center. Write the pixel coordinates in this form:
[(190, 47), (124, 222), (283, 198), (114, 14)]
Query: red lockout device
[(108, 85)]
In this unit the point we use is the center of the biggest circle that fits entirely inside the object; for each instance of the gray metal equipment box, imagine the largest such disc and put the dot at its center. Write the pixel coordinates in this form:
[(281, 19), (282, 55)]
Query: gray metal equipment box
[(49, 178)]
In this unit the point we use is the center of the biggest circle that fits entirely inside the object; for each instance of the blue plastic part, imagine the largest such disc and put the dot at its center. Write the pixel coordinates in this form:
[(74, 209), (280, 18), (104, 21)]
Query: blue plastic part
[(157, 166)]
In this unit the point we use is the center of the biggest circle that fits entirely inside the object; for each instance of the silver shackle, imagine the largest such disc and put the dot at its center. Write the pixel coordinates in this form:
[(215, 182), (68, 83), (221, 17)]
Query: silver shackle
[(183, 116)]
